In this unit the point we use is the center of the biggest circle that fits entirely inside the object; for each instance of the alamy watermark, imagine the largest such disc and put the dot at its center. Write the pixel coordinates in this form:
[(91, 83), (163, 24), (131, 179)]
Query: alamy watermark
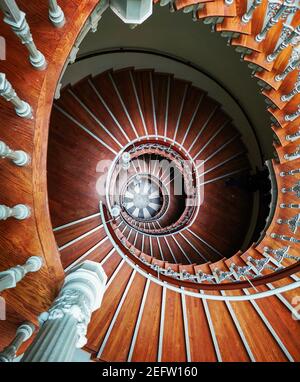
[(2, 49), (296, 308), (176, 180), (2, 309)]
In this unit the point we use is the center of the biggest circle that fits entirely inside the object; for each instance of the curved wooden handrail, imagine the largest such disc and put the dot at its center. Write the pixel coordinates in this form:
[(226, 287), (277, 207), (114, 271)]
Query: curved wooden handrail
[(34, 236)]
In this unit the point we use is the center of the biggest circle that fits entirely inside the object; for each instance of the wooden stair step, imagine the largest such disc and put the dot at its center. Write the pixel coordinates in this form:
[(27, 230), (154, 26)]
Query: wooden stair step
[(144, 86), (88, 94), (161, 84), (81, 116), (102, 318), (67, 234), (117, 346), (177, 96), (106, 88), (124, 82), (173, 346), (75, 250), (147, 340)]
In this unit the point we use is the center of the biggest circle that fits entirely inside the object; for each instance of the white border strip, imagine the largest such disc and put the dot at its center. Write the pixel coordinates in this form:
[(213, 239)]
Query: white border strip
[(80, 237), (138, 322), (67, 225), (114, 319), (162, 324)]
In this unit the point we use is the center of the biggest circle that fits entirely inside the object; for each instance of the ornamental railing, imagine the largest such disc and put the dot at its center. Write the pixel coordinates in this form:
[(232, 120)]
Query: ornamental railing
[(205, 282)]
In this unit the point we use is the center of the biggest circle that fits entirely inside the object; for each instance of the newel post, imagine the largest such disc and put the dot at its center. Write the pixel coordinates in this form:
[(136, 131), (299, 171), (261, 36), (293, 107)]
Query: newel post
[(64, 326)]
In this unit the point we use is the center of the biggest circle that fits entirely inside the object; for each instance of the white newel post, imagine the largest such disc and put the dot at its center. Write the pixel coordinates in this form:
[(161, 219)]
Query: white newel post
[(64, 326)]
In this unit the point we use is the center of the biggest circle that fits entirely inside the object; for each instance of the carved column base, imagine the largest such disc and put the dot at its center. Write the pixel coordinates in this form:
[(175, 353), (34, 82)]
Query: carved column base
[(64, 326)]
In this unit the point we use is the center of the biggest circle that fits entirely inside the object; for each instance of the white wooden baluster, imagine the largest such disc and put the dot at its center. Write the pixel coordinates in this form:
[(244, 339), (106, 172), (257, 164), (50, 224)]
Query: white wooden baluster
[(293, 156), (24, 332), (64, 326), (276, 12), (19, 158), (285, 238), (295, 189), (281, 253), (291, 38), (292, 223), (290, 205), (22, 108), (291, 172), (294, 63), (249, 14), (125, 161), (291, 117), (293, 137), (293, 93), (56, 15), (19, 212), (16, 19), (10, 277)]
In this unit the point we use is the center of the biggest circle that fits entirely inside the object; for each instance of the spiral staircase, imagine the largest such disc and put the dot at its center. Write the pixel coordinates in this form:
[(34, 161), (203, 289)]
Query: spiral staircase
[(183, 283)]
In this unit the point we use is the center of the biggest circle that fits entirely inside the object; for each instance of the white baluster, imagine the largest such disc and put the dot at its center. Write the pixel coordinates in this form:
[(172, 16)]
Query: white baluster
[(293, 156), (163, 3), (16, 19), (115, 211), (281, 253), (24, 332), (126, 158), (292, 94), (249, 14), (291, 39), (22, 108), (290, 205), (291, 172), (20, 158), (56, 15), (19, 212), (293, 116), (292, 223), (293, 137), (294, 63), (10, 278), (295, 189), (285, 238), (276, 11)]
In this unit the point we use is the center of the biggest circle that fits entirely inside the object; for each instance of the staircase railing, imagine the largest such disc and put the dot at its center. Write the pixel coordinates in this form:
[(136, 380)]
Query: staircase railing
[(178, 282)]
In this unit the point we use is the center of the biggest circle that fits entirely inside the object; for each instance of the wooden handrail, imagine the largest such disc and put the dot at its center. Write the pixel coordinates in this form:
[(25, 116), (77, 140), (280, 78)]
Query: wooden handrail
[(28, 185)]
